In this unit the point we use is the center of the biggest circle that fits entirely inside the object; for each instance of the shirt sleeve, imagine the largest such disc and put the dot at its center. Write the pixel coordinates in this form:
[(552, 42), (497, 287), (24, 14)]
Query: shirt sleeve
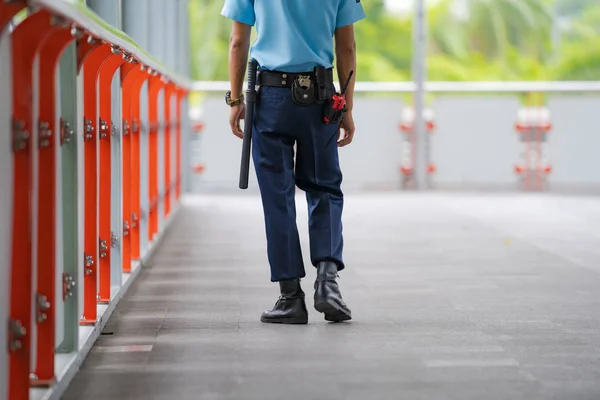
[(349, 12), (240, 11)]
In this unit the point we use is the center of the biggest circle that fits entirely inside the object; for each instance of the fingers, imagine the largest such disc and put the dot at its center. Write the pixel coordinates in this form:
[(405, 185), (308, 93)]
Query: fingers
[(348, 136), (235, 128), (237, 114)]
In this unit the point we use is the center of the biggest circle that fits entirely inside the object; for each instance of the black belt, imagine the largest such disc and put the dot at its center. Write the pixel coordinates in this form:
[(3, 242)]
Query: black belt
[(283, 79), (280, 79)]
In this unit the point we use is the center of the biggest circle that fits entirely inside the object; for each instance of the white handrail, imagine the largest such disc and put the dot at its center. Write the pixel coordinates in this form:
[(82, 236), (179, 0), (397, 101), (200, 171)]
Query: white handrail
[(82, 17), (445, 87)]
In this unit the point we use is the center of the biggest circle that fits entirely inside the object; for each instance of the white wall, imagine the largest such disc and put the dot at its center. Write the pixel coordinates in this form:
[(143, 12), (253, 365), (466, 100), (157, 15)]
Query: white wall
[(474, 146), (574, 142)]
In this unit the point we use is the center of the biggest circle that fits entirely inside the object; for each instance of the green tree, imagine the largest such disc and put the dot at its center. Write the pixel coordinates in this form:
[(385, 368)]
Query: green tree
[(487, 40), (580, 61), (491, 27), (209, 40)]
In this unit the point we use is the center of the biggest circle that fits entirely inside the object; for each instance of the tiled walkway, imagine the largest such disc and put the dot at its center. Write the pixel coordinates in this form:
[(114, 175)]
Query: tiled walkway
[(466, 297)]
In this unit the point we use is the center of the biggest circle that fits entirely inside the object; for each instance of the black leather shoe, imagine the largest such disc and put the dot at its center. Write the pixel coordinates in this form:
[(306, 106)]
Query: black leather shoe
[(290, 308), (328, 299)]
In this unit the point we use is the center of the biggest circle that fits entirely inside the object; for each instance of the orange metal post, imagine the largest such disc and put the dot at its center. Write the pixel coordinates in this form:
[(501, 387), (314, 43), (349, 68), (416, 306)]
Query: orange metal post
[(135, 161), (26, 40), (170, 90), (46, 244), (181, 94), (91, 59), (128, 73), (107, 130), (154, 87)]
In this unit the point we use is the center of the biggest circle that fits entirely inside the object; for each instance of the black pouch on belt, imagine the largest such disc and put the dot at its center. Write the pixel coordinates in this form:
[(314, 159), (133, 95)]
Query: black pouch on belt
[(303, 91), (324, 80)]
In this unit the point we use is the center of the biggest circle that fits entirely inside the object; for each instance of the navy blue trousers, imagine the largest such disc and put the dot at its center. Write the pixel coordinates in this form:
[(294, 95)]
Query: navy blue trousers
[(279, 124)]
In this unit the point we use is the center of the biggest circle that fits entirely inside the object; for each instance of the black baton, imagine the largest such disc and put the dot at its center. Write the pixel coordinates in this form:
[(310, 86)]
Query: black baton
[(247, 140)]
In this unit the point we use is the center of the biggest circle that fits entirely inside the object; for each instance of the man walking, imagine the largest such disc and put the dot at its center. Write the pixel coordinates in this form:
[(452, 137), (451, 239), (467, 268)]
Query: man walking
[(294, 51)]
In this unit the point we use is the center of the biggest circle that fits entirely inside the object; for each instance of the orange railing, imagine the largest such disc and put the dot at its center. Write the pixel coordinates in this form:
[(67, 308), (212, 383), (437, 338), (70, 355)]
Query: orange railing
[(35, 133)]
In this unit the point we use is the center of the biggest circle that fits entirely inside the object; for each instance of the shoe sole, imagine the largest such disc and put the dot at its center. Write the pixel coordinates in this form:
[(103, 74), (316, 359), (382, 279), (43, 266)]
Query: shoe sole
[(290, 321), (333, 311)]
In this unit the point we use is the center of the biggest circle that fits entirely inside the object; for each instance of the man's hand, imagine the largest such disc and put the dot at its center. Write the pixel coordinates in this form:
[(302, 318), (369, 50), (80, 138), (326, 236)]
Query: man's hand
[(348, 127), (236, 114)]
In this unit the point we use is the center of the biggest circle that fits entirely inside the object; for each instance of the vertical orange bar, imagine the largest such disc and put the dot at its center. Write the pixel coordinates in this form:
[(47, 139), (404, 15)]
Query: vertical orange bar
[(135, 162), (154, 87), (169, 91), (26, 39), (92, 61), (46, 243), (180, 96), (128, 73), (107, 71)]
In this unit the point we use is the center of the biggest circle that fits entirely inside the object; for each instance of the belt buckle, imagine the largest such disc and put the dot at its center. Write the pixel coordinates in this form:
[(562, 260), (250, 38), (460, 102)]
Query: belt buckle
[(304, 81)]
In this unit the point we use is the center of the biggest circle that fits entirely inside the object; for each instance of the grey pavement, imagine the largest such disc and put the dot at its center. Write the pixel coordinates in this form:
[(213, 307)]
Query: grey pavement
[(454, 296)]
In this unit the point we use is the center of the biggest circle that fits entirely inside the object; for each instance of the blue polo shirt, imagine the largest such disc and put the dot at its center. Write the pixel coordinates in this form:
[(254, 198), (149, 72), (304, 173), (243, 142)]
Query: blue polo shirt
[(294, 35)]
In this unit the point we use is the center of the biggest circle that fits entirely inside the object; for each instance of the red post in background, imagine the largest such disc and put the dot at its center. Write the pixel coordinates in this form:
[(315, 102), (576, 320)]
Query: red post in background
[(135, 161), (128, 73), (532, 127), (91, 59), (409, 147), (181, 94), (107, 132), (155, 85), (170, 90)]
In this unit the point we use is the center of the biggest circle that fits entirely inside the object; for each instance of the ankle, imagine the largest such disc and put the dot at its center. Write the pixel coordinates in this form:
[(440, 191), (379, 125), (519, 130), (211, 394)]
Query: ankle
[(327, 271), (291, 288)]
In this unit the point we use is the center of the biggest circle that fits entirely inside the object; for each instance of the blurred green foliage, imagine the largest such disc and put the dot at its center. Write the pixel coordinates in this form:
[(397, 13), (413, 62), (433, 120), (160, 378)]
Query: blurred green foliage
[(468, 40)]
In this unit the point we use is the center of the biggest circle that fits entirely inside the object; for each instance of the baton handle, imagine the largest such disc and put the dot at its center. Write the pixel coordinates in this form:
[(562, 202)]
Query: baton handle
[(247, 140)]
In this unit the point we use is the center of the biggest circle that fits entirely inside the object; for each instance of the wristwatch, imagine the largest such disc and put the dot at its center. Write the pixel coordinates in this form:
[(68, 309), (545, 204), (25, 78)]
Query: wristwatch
[(233, 102)]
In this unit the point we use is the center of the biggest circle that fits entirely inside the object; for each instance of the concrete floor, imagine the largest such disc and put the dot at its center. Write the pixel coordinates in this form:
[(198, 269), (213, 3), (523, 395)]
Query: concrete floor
[(453, 297)]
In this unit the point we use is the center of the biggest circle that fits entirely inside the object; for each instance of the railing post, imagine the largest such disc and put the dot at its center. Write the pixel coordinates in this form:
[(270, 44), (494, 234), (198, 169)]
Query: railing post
[(27, 38), (111, 157), (108, 133), (155, 85), (136, 147), (6, 183), (48, 141), (169, 92), (181, 97), (92, 58), (132, 78)]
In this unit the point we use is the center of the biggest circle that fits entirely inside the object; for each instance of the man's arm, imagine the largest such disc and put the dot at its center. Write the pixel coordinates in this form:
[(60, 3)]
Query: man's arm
[(345, 53), (239, 45)]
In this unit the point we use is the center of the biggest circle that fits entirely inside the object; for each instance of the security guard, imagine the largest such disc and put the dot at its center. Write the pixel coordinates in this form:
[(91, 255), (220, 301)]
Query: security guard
[(294, 51)]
